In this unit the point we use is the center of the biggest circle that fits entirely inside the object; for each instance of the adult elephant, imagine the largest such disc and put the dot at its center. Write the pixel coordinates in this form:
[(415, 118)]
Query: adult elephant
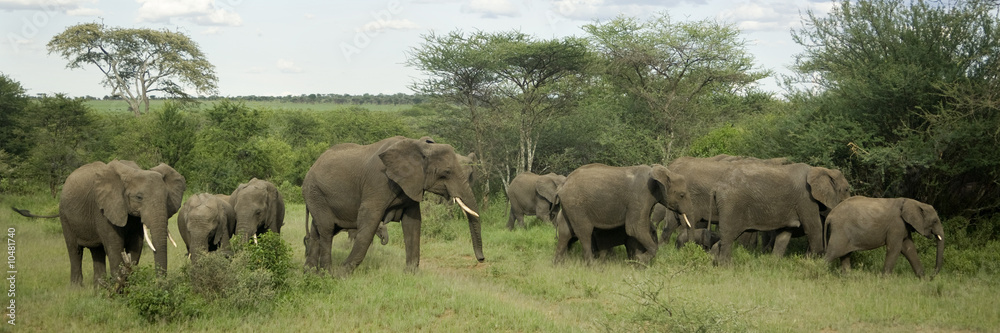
[(206, 222), (466, 161), (259, 208), (704, 176), (532, 194), (597, 196), (861, 223), (357, 187), (761, 197), (110, 208)]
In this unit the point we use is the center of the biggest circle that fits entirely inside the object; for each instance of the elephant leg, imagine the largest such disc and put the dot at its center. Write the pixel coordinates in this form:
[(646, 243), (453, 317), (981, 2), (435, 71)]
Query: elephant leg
[(100, 267), (891, 255), (563, 237), (368, 220), (511, 219), (75, 261), (727, 237), (910, 252), (411, 237), (649, 245), (324, 227), (781, 243), (584, 231)]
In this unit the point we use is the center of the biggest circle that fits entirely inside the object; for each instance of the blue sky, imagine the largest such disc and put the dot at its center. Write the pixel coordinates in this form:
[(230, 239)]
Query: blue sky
[(354, 47)]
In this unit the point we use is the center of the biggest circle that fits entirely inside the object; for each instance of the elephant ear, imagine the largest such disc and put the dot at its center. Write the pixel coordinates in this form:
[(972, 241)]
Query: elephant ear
[(404, 164), (176, 184), (662, 175), (912, 212), (109, 190), (277, 218), (821, 186), (546, 187)]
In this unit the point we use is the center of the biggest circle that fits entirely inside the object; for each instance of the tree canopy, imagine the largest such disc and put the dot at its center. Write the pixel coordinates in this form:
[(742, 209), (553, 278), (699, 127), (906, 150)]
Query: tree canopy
[(136, 62)]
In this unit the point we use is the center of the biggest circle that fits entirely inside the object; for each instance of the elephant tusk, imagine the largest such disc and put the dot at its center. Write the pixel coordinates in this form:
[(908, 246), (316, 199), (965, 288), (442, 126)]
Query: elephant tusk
[(465, 208), (171, 238), (686, 220), (940, 238), (145, 234), (255, 238)]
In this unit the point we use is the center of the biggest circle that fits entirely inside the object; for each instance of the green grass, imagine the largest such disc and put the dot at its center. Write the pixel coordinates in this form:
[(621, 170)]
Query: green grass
[(519, 289), (157, 104)]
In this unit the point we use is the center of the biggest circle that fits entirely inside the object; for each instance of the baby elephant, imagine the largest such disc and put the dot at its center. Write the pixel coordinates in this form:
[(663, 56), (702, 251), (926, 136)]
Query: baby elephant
[(206, 222), (861, 223)]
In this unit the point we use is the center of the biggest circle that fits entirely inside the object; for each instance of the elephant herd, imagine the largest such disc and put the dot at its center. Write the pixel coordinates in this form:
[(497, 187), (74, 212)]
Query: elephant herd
[(112, 208), (602, 207)]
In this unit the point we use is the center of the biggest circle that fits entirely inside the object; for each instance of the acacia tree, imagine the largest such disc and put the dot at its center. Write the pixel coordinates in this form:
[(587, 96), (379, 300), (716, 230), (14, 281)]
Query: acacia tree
[(459, 72), (136, 62), (667, 66), (538, 81)]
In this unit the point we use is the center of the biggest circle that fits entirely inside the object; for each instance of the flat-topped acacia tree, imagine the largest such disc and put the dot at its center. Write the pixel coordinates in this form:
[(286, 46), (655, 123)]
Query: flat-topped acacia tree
[(136, 62)]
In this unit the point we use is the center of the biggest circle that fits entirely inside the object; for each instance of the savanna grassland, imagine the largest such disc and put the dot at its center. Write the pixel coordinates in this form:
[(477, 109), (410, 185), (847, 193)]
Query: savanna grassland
[(519, 289)]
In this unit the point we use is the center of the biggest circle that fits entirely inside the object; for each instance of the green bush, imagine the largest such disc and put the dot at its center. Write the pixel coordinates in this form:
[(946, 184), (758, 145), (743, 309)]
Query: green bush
[(271, 253), (159, 299)]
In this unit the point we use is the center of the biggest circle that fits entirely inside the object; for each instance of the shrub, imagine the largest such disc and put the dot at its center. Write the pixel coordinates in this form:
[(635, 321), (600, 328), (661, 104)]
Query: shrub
[(271, 253), (159, 299)]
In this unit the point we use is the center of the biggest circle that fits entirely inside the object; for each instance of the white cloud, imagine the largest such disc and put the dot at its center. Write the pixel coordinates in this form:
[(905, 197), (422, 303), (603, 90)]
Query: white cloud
[(380, 26), (771, 16), (203, 12), (607, 9), (71, 7), (84, 12), (309, 16), (491, 8), (287, 66)]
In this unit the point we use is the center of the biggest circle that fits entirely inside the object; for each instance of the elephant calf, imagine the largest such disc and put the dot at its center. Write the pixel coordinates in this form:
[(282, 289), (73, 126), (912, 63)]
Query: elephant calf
[(206, 222), (531, 194), (861, 223)]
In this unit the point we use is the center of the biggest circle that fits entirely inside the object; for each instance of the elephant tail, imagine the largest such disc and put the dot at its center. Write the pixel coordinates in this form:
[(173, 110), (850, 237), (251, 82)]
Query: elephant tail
[(27, 213)]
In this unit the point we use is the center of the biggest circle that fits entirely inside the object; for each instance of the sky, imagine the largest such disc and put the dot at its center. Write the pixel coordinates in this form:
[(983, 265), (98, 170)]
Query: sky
[(277, 48)]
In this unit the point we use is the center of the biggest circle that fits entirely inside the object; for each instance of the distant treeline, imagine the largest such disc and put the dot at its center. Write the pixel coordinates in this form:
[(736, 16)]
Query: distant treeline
[(377, 99)]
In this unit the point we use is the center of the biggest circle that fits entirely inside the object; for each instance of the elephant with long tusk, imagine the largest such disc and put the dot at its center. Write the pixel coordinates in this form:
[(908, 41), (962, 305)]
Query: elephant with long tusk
[(115, 207), (359, 187)]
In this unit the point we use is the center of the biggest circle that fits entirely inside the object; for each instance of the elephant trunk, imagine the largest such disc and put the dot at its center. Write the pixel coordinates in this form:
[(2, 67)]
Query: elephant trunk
[(246, 224), (157, 224), (200, 244), (469, 205), (940, 254)]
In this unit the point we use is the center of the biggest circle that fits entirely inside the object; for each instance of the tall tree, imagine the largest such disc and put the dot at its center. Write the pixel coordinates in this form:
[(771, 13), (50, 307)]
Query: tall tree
[(538, 82), (136, 62), (459, 72), (667, 66)]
